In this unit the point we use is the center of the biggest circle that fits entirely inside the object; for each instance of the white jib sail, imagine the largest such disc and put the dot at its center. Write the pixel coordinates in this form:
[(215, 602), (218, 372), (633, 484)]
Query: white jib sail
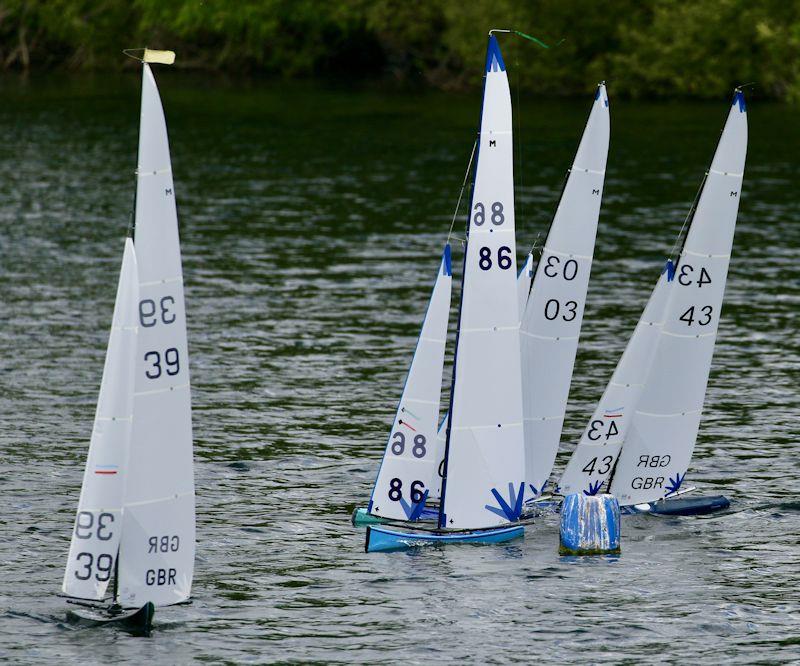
[(485, 460), (551, 324), (409, 470), (98, 524), (663, 430), (158, 539), (592, 461)]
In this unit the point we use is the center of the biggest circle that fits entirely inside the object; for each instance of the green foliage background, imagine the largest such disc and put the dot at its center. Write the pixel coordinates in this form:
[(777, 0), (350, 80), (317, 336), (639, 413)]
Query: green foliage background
[(690, 48)]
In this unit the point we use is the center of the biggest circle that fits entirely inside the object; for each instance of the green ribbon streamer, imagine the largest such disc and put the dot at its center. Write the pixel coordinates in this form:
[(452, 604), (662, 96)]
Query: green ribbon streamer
[(533, 39)]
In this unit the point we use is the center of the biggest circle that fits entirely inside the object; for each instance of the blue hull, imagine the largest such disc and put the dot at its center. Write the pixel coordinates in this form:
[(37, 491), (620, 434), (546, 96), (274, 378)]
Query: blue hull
[(360, 517), (680, 506), (384, 539)]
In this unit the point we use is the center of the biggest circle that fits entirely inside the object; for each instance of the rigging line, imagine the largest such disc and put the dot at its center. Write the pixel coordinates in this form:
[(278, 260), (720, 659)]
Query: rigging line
[(688, 217), (693, 209), (519, 141), (461, 193)]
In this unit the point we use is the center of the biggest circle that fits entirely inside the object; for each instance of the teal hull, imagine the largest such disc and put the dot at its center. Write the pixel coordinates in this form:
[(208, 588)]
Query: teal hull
[(360, 518), (385, 539)]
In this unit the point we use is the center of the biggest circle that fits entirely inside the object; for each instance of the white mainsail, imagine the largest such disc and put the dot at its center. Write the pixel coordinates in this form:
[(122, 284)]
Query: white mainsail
[(484, 464), (98, 524), (593, 460), (156, 559), (552, 321), (523, 288), (662, 434), (409, 472)]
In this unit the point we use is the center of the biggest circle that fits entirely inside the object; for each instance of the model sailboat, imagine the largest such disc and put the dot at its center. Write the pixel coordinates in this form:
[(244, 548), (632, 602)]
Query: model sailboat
[(641, 437), (551, 313), (484, 462), (135, 527)]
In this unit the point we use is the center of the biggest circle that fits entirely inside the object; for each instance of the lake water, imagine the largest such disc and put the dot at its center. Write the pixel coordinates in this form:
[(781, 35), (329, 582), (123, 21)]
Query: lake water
[(312, 220)]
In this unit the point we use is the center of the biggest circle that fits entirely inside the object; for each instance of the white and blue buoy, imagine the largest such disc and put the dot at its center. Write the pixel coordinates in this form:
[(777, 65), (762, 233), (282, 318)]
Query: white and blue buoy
[(589, 525)]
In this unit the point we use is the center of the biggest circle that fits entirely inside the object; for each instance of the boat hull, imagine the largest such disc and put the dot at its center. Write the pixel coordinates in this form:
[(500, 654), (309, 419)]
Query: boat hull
[(677, 506), (681, 506), (360, 517), (387, 539), (138, 620)]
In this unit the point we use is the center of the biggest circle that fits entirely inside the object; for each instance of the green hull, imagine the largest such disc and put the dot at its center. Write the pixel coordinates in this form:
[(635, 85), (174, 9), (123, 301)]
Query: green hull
[(361, 518)]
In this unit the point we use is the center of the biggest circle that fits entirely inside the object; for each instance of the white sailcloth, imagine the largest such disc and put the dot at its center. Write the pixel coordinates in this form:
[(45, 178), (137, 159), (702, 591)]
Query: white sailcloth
[(484, 465), (593, 460), (409, 471), (98, 524), (552, 321), (158, 538), (523, 288), (663, 430)]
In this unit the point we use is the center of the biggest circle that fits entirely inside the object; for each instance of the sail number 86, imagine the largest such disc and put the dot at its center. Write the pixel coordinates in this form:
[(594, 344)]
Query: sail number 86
[(503, 258)]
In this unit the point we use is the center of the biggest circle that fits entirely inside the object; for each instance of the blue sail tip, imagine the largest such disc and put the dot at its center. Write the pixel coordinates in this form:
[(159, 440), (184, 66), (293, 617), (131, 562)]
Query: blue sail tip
[(738, 98), (494, 59), (448, 268)]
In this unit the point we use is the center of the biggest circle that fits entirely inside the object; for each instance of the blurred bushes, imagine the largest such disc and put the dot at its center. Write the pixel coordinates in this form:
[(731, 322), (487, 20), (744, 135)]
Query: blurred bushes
[(692, 48)]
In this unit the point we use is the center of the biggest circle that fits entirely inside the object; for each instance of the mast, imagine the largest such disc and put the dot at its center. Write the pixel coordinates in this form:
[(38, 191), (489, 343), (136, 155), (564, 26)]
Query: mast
[(484, 451)]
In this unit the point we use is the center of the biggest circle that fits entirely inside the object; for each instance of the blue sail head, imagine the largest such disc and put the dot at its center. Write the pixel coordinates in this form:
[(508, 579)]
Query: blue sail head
[(494, 59)]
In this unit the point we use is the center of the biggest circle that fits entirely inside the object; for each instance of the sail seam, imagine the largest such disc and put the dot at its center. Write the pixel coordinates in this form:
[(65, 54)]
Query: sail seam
[(483, 427), (696, 335), (706, 255), (433, 340), (666, 416), (585, 170), (571, 255), (422, 402), (727, 173), (114, 418), (164, 281), (493, 329), (549, 337), (543, 418), (153, 172), (168, 498), (164, 390)]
